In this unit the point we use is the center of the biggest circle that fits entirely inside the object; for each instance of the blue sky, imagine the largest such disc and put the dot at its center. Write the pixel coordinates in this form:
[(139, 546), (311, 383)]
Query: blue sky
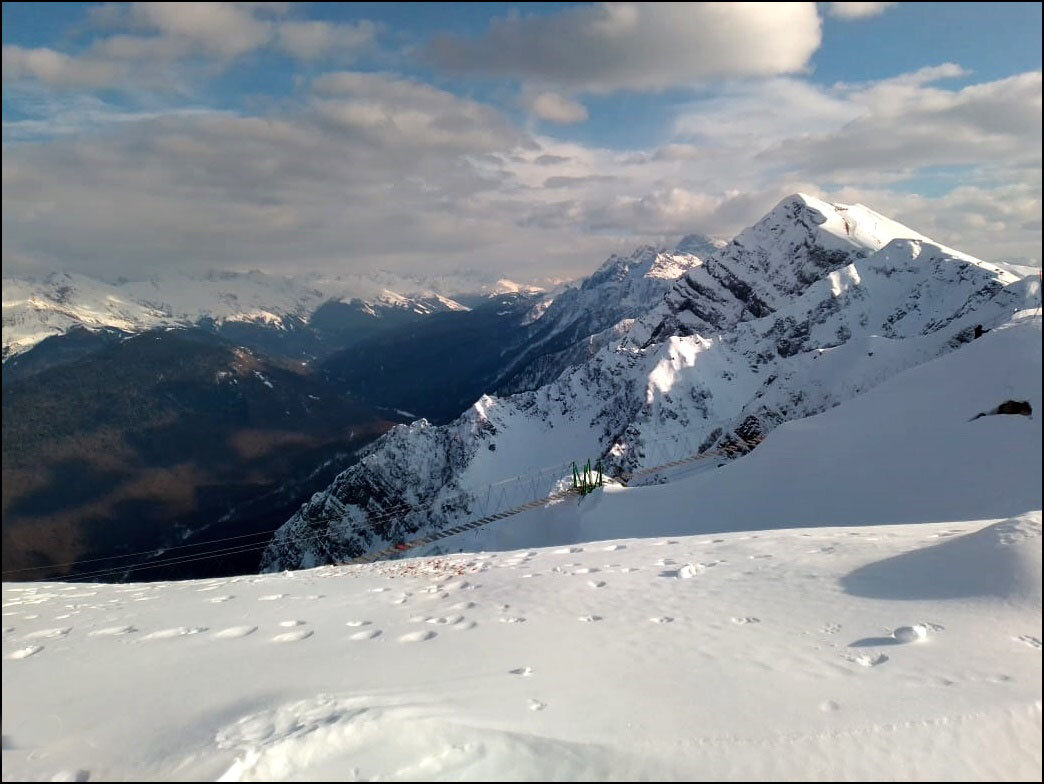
[(526, 139)]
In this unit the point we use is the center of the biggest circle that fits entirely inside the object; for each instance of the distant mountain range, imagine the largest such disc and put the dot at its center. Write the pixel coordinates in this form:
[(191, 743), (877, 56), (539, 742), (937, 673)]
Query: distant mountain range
[(37, 308), (139, 415)]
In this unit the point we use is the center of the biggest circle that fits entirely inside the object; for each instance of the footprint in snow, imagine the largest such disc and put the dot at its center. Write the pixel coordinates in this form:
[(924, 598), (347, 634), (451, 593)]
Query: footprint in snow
[(613, 547), (112, 631), (596, 583), (589, 618), (459, 585), (271, 597), (662, 619), (220, 599), (177, 631), (537, 705), (448, 620), (916, 633), (48, 634), (586, 570), (525, 672), (300, 634), (747, 619), (79, 774), (25, 653), (686, 572), (569, 550), (291, 624), (463, 626), (357, 623), (366, 634), (514, 619), (868, 659), (1032, 642), (831, 628), (420, 636), (234, 632)]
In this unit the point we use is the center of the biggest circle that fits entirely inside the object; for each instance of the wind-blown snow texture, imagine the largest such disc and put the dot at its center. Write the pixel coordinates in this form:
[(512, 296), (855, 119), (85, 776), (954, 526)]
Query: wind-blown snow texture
[(874, 653), (808, 308)]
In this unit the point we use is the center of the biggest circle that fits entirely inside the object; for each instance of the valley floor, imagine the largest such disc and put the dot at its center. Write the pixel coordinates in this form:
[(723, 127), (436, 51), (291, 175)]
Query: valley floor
[(743, 655)]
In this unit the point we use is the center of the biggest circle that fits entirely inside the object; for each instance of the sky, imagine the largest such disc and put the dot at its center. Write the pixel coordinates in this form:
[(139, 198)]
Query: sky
[(525, 141)]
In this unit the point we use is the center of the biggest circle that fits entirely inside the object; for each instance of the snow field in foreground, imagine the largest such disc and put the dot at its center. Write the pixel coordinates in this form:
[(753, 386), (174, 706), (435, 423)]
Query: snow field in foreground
[(779, 654)]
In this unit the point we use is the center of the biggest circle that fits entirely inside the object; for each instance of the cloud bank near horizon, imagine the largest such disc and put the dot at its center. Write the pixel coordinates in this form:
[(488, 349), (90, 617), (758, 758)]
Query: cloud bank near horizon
[(130, 154)]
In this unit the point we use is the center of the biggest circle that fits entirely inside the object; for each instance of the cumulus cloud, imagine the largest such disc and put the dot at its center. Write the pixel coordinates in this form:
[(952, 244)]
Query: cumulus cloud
[(360, 169), (144, 41), (311, 40), (55, 68), (638, 46), (901, 126), (392, 111), (858, 10), (224, 29), (372, 170), (555, 108)]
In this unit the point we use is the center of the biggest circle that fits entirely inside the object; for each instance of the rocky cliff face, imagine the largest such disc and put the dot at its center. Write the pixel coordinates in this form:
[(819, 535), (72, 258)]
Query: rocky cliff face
[(583, 319), (813, 305)]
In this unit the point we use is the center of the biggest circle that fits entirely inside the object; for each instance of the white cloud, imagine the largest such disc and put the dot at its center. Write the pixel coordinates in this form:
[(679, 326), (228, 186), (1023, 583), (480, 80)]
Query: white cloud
[(311, 40), (153, 45), (223, 29), (858, 10), (904, 126), (555, 108), (638, 46), (55, 68), (392, 111), (370, 169)]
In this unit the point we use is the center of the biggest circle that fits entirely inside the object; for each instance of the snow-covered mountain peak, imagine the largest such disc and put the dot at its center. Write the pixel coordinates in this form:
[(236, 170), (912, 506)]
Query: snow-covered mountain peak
[(699, 245), (800, 241), (808, 308), (647, 261), (505, 286)]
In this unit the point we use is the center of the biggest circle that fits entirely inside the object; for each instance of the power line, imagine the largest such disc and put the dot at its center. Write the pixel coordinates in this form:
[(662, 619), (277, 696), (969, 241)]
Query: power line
[(394, 512), (384, 514)]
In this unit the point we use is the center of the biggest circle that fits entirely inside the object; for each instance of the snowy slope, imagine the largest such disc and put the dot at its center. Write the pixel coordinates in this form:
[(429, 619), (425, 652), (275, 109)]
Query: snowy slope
[(810, 307), (34, 309), (903, 452), (775, 655)]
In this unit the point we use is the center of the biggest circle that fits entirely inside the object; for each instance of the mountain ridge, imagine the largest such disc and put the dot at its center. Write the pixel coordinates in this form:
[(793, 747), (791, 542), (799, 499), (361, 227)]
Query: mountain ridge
[(811, 306)]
